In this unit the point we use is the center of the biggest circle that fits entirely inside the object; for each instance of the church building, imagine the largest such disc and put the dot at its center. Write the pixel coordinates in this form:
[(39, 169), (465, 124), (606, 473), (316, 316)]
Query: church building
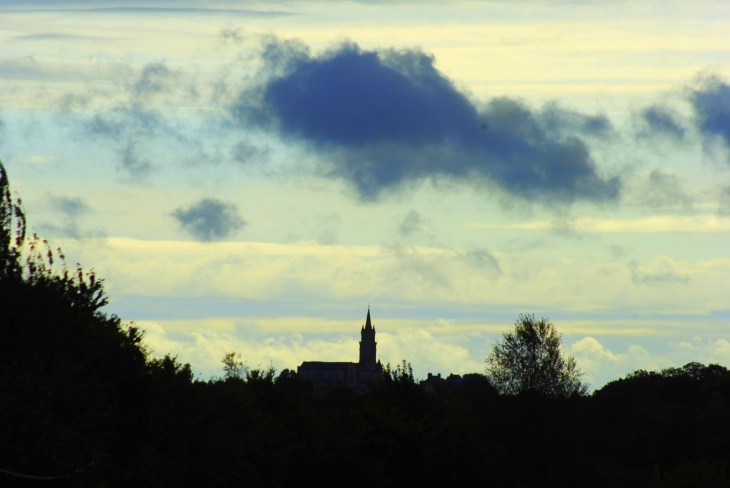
[(357, 375)]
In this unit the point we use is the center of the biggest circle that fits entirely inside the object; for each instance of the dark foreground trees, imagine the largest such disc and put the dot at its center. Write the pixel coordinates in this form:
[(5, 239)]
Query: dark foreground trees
[(530, 359), (72, 379)]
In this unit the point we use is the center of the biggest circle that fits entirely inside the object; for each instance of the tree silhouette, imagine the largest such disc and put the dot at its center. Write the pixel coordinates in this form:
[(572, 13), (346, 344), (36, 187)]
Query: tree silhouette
[(73, 379), (530, 359), (12, 230)]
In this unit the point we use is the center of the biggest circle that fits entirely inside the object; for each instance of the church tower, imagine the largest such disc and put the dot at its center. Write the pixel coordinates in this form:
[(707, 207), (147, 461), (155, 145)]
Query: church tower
[(367, 343)]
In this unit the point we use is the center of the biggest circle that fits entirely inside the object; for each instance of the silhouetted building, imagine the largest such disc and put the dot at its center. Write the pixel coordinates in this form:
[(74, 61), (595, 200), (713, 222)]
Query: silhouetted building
[(356, 376), (429, 384)]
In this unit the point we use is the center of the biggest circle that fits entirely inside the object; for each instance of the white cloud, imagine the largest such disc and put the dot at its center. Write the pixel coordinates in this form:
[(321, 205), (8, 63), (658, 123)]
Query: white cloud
[(602, 365), (307, 270), (204, 343), (685, 224)]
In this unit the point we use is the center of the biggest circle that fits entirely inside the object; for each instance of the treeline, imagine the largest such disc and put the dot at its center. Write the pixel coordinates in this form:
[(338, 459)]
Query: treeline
[(82, 403)]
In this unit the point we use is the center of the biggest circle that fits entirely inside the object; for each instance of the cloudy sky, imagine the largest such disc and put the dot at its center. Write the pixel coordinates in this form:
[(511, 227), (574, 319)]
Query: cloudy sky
[(249, 176)]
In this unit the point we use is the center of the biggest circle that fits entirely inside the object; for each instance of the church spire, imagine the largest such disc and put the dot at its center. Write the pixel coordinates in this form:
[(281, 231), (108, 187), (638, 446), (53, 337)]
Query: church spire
[(368, 346)]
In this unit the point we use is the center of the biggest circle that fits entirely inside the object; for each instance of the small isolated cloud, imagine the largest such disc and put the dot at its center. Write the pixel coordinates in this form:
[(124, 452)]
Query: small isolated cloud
[(659, 121), (231, 34), (481, 260), (661, 272), (411, 224), (565, 228), (424, 271), (385, 120), (209, 219), (21, 67), (155, 79), (617, 252), (71, 207), (70, 211), (663, 190), (327, 228), (723, 207), (248, 155), (134, 164), (711, 103), (56, 36)]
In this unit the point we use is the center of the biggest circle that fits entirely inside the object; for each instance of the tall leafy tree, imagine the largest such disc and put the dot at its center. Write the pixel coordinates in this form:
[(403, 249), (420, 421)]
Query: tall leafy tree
[(73, 379), (530, 358), (12, 230)]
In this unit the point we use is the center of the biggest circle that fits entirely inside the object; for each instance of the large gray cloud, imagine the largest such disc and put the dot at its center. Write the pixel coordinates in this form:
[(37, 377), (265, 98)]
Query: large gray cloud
[(711, 103), (209, 219), (384, 120)]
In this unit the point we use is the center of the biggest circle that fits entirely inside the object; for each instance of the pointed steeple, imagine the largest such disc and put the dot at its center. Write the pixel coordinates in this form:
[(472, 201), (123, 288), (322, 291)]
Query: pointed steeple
[(368, 325), (368, 346)]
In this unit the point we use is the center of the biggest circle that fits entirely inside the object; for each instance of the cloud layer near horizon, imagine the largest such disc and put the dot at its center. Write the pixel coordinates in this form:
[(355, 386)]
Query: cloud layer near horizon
[(382, 120)]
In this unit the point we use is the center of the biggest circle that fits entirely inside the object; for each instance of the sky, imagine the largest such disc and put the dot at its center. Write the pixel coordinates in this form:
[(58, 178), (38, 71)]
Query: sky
[(251, 176)]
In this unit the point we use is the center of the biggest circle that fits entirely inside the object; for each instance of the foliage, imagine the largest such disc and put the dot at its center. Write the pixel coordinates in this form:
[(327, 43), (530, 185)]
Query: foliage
[(691, 475), (530, 358), (233, 367), (12, 230), (72, 378), (402, 373)]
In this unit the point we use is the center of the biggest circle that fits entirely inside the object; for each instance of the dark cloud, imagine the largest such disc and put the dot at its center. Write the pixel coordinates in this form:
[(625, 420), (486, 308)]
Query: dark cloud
[(69, 102), (131, 124), (24, 67), (231, 34), (662, 190), (133, 163), (664, 277), (247, 154), (327, 237), (617, 252), (209, 219), (155, 79), (384, 120), (481, 259), (559, 122), (711, 103), (55, 36), (141, 8), (566, 228), (70, 211), (418, 268), (660, 121), (71, 207), (723, 208), (411, 224), (327, 228)]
